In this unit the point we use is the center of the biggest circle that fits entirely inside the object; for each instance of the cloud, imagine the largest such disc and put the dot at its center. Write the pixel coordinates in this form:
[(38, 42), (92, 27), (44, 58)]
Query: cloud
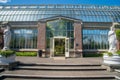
[(4, 1)]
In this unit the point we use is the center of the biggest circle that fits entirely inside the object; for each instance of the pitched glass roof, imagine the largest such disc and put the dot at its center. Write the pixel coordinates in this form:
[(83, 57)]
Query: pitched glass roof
[(87, 13)]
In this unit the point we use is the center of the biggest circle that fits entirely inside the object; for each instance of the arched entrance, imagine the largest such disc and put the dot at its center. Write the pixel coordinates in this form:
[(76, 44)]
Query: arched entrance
[(59, 29)]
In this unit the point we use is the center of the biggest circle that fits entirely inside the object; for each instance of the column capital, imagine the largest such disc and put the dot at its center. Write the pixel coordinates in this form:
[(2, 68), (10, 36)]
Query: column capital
[(41, 21), (77, 23)]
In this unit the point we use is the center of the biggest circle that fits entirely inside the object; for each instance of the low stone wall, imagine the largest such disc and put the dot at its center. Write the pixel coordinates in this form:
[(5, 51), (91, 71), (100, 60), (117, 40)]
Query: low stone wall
[(9, 66)]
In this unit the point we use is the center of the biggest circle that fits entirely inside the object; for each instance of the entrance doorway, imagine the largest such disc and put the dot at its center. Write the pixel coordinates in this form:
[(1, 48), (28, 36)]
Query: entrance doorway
[(59, 47)]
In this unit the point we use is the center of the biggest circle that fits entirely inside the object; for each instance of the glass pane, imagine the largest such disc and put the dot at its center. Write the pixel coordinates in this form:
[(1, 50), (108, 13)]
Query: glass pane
[(60, 28), (95, 38), (24, 38)]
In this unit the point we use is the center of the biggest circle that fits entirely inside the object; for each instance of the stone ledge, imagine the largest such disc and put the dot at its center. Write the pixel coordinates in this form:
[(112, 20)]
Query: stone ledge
[(9, 66), (110, 67)]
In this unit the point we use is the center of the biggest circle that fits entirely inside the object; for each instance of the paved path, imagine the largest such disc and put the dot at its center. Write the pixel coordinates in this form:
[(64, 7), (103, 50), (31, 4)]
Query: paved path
[(66, 61)]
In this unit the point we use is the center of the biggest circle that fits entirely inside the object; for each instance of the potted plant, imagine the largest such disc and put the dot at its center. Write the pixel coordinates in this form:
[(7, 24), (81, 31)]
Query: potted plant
[(7, 56)]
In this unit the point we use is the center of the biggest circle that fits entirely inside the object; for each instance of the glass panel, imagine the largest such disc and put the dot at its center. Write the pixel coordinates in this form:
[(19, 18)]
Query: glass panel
[(60, 28), (85, 13), (24, 38), (95, 38)]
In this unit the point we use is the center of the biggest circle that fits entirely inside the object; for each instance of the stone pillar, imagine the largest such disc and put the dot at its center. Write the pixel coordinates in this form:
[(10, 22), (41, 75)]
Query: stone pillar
[(78, 38), (41, 43)]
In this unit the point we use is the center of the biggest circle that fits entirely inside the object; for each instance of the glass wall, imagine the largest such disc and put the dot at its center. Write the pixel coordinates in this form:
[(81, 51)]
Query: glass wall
[(60, 28), (24, 38), (95, 38)]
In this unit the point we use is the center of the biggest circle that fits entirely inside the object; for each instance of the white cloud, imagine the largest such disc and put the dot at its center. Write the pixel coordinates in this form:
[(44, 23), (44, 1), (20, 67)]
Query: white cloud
[(4, 1)]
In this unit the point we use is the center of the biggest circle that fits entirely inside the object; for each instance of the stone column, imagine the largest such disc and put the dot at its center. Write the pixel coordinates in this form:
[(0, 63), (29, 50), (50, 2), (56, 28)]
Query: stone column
[(78, 38), (41, 43)]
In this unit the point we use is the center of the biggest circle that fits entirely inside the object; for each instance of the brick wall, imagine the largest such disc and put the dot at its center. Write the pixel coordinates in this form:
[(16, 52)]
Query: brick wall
[(78, 36), (41, 45)]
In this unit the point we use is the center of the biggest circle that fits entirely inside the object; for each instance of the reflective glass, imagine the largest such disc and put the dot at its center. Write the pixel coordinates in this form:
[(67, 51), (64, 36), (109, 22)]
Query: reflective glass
[(95, 38), (24, 38), (60, 28), (45, 11)]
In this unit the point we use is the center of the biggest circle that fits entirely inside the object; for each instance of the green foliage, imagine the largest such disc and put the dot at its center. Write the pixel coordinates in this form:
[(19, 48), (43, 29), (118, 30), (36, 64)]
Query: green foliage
[(26, 53), (118, 52), (93, 55), (108, 53), (118, 34), (7, 53)]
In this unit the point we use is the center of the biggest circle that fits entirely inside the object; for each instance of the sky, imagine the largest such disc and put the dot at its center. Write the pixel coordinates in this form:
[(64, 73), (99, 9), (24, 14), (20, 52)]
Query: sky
[(93, 2)]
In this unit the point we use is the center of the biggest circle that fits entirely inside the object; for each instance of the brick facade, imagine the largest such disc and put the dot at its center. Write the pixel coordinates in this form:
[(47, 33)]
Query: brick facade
[(78, 36), (41, 45)]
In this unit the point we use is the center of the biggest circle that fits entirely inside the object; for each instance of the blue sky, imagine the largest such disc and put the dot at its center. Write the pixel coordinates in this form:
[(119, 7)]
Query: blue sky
[(96, 2)]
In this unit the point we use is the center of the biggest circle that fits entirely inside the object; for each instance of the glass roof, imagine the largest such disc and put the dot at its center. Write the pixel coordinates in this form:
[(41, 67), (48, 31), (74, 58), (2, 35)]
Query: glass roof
[(87, 13)]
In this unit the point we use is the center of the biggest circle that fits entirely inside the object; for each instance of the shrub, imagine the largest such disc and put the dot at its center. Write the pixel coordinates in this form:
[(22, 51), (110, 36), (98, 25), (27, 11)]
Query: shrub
[(93, 55), (118, 52), (7, 53), (118, 34), (26, 53), (108, 53)]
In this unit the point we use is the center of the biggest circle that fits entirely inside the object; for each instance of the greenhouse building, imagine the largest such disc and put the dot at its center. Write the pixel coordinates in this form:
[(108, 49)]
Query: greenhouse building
[(60, 30)]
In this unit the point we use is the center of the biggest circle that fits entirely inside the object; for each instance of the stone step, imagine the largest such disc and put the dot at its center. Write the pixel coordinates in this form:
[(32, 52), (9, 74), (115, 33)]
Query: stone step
[(1, 69), (58, 73), (117, 77), (57, 64), (59, 58), (117, 70), (52, 79), (91, 68), (59, 77)]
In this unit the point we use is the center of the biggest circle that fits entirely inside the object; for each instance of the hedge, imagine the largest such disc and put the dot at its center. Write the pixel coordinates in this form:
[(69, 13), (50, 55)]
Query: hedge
[(26, 53), (7, 53), (93, 55)]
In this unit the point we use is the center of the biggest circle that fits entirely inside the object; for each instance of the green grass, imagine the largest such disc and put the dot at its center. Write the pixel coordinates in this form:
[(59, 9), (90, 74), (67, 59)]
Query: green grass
[(26, 53)]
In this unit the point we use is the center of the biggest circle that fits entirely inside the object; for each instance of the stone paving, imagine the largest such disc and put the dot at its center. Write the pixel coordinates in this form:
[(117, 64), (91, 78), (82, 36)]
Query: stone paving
[(65, 61)]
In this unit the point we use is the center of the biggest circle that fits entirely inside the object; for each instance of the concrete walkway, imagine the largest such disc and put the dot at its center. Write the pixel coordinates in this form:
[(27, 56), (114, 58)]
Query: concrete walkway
[(62, 61)]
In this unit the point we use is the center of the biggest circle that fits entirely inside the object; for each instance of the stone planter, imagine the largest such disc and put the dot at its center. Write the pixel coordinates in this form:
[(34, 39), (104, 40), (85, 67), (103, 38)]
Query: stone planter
[(111, 62), (7, 60)]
